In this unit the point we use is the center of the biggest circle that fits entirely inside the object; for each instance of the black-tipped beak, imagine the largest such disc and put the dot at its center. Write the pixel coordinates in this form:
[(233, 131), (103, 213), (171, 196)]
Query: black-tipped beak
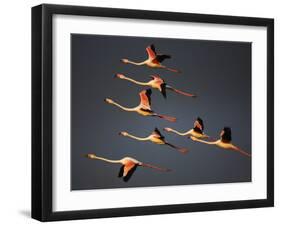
[(117, 75)]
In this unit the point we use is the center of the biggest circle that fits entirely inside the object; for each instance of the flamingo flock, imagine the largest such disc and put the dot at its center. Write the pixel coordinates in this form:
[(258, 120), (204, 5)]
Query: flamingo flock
[(196, 133)]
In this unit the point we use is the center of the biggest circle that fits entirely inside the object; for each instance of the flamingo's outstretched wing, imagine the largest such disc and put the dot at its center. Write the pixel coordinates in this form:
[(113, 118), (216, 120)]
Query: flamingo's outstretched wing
[(145, 97), (127, 168), (153, 48), (198, 125), (226, 135), (158, 80), (129, 171), (121, 171), (162, 57), (151, 51), (157, 133), (163, 89)]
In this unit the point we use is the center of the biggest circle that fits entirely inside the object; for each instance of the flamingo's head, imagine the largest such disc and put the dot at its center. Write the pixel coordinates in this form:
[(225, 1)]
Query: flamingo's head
[(107, 100), (125, 61), (90, 156), (168, 129), (121, 76), (123, 134)]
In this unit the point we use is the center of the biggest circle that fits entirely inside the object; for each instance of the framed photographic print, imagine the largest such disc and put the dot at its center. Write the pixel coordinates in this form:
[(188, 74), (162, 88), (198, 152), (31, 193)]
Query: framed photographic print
[(145, 112)]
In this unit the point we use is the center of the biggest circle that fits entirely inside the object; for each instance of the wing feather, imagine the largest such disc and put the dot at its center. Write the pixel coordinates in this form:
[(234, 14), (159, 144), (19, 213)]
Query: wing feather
[(151, 51), (127, 168), (161, 57), (145, 97), (157, 133)]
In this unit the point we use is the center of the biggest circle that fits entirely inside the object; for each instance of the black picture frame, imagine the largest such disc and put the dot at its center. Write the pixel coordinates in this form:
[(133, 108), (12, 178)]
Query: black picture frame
[(42, 111)]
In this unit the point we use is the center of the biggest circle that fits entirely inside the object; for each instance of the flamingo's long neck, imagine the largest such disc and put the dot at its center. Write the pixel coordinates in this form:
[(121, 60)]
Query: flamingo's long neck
[(139, 138), (123, 108), (208, 142), (136, 82), (136, 63), (179, 133), (107, 160)]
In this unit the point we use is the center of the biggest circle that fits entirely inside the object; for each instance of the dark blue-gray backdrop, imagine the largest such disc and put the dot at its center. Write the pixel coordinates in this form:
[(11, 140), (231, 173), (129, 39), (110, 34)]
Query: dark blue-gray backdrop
[(218, 72)]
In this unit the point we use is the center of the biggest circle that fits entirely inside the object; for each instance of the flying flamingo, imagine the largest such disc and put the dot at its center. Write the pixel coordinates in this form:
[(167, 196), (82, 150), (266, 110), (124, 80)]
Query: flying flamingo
[(129, 165), (154, 60), (144, 108), (157, 83), (197, 130), (224, 142), (156, 137)]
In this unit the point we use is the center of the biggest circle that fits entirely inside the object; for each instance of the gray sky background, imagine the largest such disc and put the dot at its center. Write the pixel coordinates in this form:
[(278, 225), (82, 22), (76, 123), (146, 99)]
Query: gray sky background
[(218, 72)]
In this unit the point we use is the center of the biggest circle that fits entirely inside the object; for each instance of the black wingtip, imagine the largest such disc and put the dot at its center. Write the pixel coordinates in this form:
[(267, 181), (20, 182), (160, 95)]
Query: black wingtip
[(227, 136), (199, 119), (164, 93), (121, 171), (129, 174)]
